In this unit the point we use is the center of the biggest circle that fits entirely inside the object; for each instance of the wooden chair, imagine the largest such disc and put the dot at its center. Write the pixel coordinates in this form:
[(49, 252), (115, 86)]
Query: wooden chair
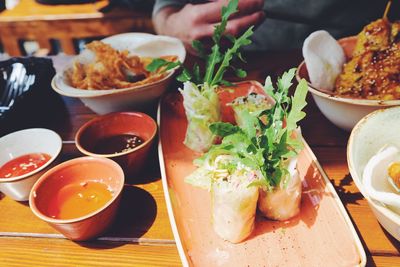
[(30, 20)]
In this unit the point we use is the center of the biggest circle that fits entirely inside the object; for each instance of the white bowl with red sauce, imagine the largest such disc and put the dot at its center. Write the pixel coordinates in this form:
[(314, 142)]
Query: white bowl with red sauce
[(24, 156)]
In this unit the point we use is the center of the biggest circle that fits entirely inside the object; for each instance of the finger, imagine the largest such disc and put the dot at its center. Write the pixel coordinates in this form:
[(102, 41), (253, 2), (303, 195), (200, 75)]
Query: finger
[(237, 26), (247, 7), (211, 12), (202, 31), (234, 27)]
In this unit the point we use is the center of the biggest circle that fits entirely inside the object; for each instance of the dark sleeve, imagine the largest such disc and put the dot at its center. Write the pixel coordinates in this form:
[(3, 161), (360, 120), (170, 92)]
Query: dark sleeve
[(160, 4)]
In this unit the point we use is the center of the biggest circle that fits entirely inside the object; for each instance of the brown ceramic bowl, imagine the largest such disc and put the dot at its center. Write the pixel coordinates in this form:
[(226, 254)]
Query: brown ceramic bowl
[(77, 171), (119, 123)]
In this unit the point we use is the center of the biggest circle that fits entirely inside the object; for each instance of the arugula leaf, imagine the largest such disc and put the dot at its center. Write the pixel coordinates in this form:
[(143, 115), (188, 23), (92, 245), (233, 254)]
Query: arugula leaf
[(266, 140), (217, 62), (285, 81), (269, 88), (185, 76), (196, 74), (212, 60), (158, 63), (298, 103), (226, 12), (249, 123), (240, 73), (226, 83), (199, 47), (230, 53), (223, 129)]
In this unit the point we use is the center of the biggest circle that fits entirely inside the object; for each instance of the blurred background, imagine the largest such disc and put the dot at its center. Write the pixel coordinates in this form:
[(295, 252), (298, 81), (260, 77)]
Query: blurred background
[(49, 27)]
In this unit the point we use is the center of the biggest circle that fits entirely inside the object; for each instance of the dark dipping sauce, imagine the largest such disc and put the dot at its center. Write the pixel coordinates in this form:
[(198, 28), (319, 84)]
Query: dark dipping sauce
[(117, 144)]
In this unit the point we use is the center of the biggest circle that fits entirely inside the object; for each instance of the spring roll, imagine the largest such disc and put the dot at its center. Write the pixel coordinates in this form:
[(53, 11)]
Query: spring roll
[(202, 109), (252, 104), (234, 204), (283, 201)]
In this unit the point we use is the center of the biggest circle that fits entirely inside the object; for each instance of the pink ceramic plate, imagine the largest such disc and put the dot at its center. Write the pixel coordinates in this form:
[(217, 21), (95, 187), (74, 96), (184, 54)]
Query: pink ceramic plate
[(321, 235)]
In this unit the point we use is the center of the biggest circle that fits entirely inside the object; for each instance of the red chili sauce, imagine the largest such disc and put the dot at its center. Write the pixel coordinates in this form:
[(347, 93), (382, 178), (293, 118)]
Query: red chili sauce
[(23, 164)]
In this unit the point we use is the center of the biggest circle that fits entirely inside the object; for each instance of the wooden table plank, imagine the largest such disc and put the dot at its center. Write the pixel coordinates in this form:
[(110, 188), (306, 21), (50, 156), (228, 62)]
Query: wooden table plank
[(27, 10), (327, 141), (142, 213), (375, 239), (50, 252), (30, 20), (383, 261)]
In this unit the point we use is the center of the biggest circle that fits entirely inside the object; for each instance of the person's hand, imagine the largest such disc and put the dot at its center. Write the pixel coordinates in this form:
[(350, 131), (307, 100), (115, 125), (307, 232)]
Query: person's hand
[(196, 22)]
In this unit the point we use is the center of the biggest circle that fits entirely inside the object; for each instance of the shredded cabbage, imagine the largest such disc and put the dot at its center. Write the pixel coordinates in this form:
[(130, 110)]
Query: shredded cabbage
[(202, 108)]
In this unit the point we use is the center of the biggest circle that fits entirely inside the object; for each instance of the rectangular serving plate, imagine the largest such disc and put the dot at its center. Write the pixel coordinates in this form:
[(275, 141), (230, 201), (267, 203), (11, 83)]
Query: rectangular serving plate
[(321, 235)]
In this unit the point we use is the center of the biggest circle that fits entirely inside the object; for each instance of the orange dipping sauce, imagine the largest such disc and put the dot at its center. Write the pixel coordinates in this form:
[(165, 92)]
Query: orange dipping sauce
[(23, 165), (79, 199)]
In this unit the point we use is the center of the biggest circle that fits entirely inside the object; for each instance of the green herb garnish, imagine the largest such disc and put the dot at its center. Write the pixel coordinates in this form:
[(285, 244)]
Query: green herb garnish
[(266, 140), (218, 61), (158, 63)]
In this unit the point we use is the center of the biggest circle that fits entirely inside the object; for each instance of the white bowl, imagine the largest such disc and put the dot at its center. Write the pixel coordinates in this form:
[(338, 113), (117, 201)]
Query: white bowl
[(24, 142), (374, 131), (341, 111), (137, 97)]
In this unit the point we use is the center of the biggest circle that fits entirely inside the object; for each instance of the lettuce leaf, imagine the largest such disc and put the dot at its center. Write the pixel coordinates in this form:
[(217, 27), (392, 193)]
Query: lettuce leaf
[(202, 109), (265, 139)]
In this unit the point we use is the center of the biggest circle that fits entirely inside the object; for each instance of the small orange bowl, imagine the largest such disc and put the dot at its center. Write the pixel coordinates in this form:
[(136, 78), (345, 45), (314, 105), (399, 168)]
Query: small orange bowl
[(114, 124), (52, 186)]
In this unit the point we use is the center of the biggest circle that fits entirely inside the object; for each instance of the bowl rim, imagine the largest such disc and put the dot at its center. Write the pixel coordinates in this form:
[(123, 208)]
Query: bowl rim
[(44, 166), (105, 92), (57, 86), (106, 117), (61, 166), (354, 175)]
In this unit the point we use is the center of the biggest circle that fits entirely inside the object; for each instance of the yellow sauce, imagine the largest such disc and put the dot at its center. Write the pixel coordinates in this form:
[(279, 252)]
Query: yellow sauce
[(77, 200), (394, 173)]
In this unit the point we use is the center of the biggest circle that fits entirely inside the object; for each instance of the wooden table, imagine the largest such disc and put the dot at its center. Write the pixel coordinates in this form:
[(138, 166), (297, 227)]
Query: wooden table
[(141, 235), (30, 20)]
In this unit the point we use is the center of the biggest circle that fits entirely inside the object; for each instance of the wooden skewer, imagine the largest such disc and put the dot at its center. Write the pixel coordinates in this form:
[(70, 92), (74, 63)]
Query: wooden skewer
[(389, 3)]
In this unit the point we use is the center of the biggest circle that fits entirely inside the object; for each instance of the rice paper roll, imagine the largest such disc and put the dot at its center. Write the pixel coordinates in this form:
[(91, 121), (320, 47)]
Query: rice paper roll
[(233, 198), (233, 209), (202, 109), (283, 201), (252, 104)]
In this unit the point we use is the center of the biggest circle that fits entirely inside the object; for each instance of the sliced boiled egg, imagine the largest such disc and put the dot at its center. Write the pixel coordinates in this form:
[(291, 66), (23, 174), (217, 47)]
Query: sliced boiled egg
[(380, 177)]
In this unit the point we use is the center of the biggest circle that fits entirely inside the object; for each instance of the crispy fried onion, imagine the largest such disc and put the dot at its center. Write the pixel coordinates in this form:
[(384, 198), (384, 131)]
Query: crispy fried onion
[(113, 69)]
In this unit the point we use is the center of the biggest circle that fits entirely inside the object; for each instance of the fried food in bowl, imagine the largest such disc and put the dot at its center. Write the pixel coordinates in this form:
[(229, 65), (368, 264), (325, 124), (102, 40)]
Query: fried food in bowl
[(369, 79), (114, 69), (373, 72), (111, 75)]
